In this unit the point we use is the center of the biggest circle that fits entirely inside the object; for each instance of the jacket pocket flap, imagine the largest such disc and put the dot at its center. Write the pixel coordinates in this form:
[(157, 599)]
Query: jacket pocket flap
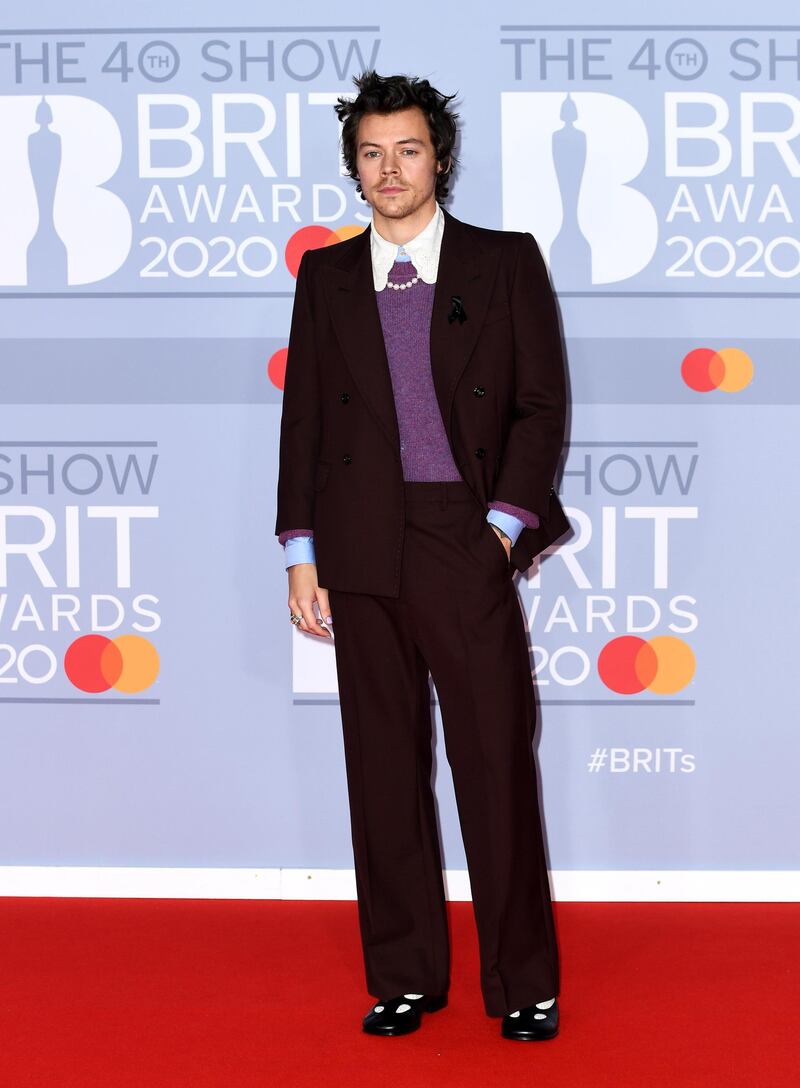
[(496, 312)]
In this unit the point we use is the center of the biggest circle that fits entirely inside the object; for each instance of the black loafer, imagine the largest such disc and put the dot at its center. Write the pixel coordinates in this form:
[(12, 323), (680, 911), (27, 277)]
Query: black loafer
[(402, 1014), (531, 1023)]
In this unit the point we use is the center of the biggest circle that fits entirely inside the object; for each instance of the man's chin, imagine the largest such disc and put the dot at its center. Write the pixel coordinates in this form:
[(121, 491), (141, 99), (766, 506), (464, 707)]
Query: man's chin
[(393, 209)]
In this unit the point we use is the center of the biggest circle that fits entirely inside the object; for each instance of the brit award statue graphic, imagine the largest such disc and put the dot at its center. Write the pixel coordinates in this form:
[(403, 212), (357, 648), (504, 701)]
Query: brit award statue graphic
[(570, 252), (64, 220), (46, 253)]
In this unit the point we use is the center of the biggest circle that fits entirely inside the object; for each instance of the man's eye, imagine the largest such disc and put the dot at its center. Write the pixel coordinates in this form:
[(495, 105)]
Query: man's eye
[(411, 150)]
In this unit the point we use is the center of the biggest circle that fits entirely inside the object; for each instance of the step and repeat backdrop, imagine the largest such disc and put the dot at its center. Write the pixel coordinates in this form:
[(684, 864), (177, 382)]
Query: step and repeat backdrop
[(158, 185)]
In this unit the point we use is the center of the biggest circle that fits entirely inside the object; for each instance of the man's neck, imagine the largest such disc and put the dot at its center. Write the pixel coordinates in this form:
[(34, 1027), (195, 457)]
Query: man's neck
[(403, 230)]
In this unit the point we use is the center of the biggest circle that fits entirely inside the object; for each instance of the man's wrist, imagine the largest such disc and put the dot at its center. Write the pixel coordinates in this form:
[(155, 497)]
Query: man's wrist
[(510, 524)]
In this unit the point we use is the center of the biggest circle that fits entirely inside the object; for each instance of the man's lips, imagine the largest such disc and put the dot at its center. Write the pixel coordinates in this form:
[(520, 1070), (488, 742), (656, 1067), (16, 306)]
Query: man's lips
[(391, 189)]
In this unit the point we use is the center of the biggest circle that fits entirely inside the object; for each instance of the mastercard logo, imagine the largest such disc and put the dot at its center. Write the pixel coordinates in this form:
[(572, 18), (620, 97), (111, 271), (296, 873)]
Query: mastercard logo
[(729, 369), (311, 237), (127, 663), (663, 664), (314, 237)]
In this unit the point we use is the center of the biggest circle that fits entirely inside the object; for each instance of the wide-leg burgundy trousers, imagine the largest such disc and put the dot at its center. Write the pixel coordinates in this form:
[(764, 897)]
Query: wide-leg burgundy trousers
[(457, 615)]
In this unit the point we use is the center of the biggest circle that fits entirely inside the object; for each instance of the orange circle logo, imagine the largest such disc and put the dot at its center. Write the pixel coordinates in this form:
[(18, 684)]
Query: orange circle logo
[(127, 663), (314, 237), (276, 367), (729, 369), (663, 664)]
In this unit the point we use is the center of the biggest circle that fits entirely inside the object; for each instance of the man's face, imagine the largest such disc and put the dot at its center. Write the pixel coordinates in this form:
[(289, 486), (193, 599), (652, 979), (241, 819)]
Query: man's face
[(395, 161)]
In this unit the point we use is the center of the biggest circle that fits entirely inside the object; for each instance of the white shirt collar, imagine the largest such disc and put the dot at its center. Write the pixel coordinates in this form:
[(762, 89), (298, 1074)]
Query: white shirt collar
[(423, 249)]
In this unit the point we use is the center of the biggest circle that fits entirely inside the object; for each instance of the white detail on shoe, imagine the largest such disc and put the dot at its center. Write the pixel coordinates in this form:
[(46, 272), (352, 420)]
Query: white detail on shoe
[(403, 1008), (413, 996), (539, 1005), (378, 1008)]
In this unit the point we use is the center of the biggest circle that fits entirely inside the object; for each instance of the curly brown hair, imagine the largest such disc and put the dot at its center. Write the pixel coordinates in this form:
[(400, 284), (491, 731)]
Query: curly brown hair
[(388, 94)]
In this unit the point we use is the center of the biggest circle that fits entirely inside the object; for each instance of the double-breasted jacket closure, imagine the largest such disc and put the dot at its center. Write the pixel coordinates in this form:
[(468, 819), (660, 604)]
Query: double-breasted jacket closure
[(499, 382)]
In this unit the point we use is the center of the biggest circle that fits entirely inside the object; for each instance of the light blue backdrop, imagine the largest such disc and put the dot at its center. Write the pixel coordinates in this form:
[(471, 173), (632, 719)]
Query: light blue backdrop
[(137, 331)]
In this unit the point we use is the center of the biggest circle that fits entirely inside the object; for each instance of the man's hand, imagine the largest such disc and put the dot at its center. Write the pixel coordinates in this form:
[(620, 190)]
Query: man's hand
[(303, 591), (504, 540)]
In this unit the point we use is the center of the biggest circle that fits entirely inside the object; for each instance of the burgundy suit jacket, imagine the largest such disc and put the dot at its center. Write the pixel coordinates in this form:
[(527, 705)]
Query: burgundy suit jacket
[(499, 382)]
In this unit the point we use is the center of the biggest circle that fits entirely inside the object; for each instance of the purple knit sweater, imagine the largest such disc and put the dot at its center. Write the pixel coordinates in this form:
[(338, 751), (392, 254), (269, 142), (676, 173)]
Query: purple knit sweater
[(406, 321), (424, 450)]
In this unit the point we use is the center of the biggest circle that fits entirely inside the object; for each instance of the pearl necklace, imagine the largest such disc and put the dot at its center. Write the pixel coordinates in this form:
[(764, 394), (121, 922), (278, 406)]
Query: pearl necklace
[(402, 286)]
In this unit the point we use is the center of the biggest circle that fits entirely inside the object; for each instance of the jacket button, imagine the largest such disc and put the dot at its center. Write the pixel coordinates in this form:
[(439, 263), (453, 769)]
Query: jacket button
[(347, 458), (478, 391), (344, 397), (480, 452)]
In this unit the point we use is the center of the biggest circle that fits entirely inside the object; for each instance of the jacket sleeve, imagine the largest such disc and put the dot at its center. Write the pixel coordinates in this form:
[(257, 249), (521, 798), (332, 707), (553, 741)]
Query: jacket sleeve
[(300, 417), (536, 434)]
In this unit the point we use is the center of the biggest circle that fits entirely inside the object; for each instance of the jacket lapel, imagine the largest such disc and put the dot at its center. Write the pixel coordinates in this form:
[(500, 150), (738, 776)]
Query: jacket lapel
[(467, 267)]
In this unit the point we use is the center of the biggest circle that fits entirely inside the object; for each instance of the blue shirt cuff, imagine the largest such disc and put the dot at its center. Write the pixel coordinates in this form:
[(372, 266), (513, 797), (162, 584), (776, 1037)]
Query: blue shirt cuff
[(511, 526), (299, 549)]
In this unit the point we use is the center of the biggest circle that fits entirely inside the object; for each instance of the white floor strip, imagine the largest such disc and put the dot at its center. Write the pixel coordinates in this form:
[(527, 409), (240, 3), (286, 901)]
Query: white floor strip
[(629, 886)]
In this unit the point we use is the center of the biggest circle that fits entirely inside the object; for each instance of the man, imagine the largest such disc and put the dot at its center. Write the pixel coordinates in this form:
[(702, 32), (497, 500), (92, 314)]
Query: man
[(423, 419)]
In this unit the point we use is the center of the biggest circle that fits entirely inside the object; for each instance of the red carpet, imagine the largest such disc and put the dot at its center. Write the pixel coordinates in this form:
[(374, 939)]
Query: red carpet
[(203, 993)]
